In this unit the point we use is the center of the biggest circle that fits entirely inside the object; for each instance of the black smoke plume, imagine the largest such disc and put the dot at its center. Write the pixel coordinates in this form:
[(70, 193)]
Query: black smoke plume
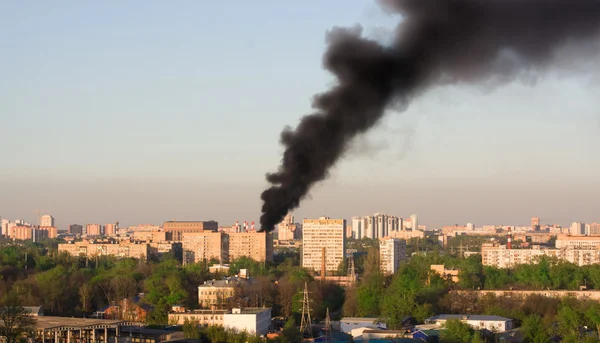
[(437, 42)]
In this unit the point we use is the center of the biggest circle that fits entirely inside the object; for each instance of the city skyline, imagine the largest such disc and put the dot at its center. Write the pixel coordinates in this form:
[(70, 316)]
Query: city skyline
[(143, 123)]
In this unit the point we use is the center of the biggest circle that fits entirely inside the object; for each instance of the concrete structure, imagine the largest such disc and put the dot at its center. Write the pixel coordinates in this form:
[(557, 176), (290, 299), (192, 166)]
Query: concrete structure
[(252, 320), (580, 295), (445, 273), (93, 230), (51, 231), (256, 245), (577, 242), (201, 317), (46, 220), (176, 229), (75, 229), (323, 237), (35, 311), (347, 324), (216, 293), (90, 330), (110, 229), (535, 223), (577, 228), (288, 230), (391, 252), (414, 220), (157, 235), (499, 256), (166, 247), (106, 248), (378, 225), (477, 322), (204, 246)]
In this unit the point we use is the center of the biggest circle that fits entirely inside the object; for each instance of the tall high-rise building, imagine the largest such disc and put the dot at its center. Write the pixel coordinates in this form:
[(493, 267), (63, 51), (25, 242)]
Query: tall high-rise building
[(93, 229), (323, 237), (76, 229), (415, 222), (204, 246), (358, 227), (46, 220), (287, 230), (110, 229), (535, 223), (391, 252), (4, 227), (256, 245), (577, 228), (176, 229)]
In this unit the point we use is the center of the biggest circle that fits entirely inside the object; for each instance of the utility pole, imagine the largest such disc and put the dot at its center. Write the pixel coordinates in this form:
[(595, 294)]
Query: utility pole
[(306, 322)]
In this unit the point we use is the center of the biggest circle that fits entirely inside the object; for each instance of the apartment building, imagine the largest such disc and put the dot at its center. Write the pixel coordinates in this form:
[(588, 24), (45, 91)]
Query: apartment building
[(287, 230), (93, 229), (391, 252), (323, 238), (500, 256), (46, 220), (256, 245), (150, 236), (75, 229), (176, 229), (204, 246), (577, 242), (178, 316), (122, 249)]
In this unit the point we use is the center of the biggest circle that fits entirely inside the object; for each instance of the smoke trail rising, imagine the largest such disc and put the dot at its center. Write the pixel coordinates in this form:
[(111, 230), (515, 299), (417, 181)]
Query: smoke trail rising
[(438, 42)]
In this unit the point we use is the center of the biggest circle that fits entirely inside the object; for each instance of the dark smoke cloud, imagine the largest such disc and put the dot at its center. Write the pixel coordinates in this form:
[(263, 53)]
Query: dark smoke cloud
[(437, 42)]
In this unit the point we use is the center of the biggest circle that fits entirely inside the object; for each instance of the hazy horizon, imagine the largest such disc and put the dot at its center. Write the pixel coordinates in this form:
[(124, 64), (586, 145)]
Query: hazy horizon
[(146, 114)]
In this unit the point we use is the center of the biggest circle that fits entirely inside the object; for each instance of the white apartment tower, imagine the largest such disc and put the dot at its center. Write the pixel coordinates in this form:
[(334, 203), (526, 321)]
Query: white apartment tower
[(391, 252), (323, 237), (46, 220), (415, 222)]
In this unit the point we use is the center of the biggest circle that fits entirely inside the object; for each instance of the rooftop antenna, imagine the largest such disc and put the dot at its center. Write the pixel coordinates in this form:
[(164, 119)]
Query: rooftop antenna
[(306, 322)]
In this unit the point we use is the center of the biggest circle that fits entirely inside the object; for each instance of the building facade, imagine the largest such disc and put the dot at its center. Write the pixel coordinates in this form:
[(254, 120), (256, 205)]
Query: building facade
[(500, 256), (391, 252), (204, 246), (323, 237), (256, 245), (93, 230), (288, 230), (255, 321), (121, 249), (216, 293), (46, 220), (176, 229), (75, 229)]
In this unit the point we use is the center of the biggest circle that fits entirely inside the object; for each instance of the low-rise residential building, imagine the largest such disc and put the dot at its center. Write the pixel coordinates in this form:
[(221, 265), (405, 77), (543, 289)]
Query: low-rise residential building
[(201, 317), (150, 236), (347, 324), (500, 256), (255, 321), (578, 242), (106, 248), (129, 309), (477, 322), (446, 273), (216, 293)]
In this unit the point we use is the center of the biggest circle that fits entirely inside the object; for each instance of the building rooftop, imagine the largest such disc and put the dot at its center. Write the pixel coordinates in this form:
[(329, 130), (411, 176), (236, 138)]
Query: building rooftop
[(228, 282), (360, 319), (45, 323), (467, 317), (250, 310)]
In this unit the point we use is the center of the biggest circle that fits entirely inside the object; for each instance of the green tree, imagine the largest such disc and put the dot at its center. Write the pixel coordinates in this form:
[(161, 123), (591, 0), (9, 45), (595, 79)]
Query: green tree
[(15, 321), (534, 330), (456, 331), (593, 315), (191, 329)]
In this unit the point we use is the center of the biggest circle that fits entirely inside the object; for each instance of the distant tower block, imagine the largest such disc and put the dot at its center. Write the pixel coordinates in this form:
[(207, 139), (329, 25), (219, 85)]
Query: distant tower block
[(535, 223)]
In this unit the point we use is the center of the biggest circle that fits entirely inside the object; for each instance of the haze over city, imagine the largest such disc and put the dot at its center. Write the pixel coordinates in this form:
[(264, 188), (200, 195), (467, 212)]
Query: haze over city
[(146, 114)]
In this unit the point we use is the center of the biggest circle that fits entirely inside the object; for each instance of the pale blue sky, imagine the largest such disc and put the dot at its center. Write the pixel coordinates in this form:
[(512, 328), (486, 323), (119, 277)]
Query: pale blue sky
[(145, 111)]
